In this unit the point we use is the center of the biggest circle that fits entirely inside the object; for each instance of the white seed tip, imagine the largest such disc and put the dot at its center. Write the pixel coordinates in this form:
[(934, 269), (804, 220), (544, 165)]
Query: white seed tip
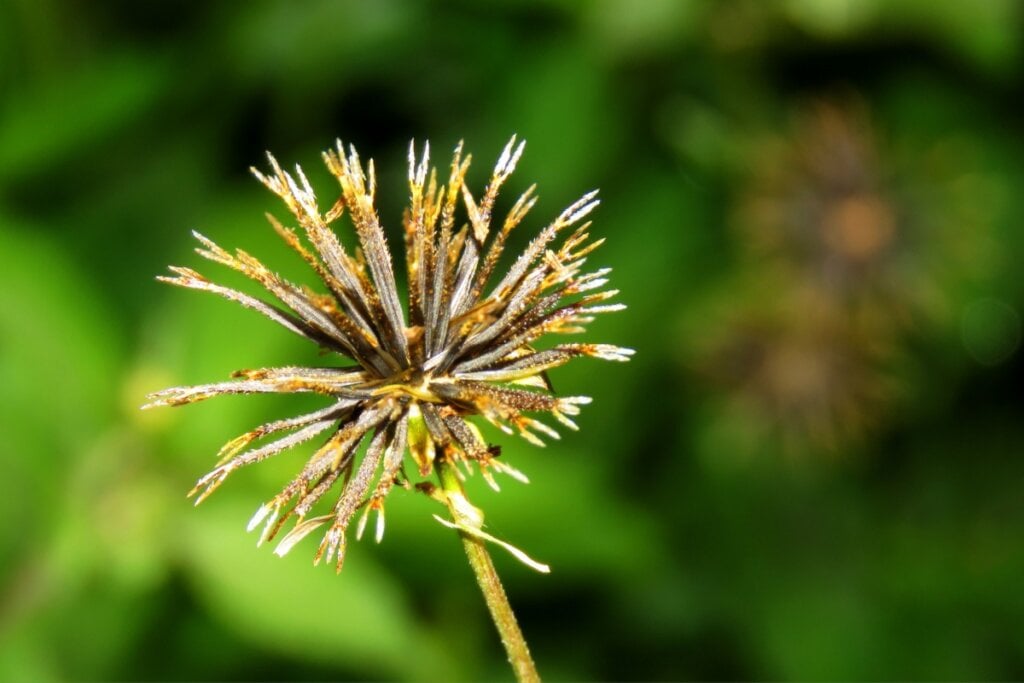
[(199, 236), (512, 472), (299, 532), (260, 515), (532, 438), (613, 353), (361, 526), (541, 427), (273, 162), (506, 153), (566, 421), (305, 182)]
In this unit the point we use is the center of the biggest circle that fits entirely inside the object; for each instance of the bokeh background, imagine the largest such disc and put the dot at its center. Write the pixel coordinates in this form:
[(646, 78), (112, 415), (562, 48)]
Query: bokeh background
[(812, 469)]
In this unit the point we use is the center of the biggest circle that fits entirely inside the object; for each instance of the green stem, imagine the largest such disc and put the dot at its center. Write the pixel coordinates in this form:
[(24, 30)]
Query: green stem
[(487, 577)]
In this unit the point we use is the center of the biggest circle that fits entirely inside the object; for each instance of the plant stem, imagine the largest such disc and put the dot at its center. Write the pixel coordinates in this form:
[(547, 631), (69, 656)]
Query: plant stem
[(504, 619)]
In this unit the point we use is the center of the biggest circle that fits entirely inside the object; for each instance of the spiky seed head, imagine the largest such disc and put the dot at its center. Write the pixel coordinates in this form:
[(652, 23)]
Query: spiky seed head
[(406, 379)]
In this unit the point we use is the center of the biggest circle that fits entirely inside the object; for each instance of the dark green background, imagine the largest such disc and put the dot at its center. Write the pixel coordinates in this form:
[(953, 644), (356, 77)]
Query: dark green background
[(693, 532)]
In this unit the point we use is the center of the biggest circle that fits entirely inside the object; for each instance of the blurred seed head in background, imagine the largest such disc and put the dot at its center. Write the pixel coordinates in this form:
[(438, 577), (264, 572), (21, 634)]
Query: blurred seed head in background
[(851, 246)]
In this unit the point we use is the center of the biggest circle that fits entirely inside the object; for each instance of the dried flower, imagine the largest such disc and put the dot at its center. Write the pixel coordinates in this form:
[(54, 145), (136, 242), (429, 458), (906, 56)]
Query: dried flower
[(414, 382)]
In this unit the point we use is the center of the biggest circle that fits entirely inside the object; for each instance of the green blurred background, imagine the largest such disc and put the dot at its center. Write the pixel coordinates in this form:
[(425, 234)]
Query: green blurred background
[(811, 470)]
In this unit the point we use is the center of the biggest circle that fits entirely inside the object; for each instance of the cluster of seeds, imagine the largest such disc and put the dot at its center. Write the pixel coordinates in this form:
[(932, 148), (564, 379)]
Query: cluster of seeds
[(407, 382)]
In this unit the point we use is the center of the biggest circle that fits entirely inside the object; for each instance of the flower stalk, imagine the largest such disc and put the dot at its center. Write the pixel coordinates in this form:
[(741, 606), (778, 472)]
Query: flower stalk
[(465, 515)]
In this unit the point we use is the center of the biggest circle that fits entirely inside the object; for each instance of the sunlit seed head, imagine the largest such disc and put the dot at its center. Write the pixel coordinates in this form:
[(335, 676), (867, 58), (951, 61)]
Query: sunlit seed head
[(407, 378)]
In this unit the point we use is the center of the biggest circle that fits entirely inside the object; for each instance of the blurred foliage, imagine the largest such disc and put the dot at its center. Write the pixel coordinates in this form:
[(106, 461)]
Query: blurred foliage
[(811, 469)]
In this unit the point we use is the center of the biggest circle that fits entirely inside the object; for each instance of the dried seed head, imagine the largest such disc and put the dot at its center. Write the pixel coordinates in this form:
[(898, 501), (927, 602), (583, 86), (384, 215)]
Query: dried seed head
[(406, 379)]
